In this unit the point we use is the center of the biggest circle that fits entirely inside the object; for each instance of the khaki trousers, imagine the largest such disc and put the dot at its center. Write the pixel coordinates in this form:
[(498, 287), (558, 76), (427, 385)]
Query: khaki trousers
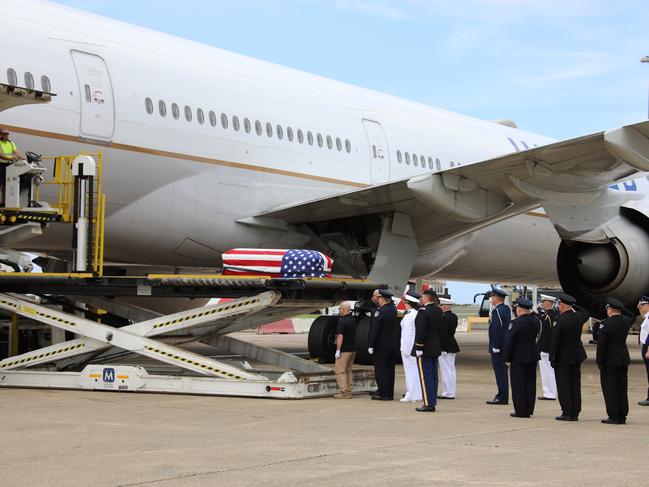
[(343, 370)]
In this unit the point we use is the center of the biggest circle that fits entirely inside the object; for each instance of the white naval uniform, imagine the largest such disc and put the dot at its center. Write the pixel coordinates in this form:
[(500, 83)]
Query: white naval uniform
[(413, 385), (644, 330)]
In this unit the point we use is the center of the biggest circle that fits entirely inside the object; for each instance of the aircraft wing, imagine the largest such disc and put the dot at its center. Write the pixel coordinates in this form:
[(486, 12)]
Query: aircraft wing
[(462, 199), (13, 96)]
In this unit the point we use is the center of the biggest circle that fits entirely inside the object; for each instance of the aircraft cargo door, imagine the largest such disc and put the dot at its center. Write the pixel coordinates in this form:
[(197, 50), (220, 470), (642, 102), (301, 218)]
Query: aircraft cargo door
[(379, 154), (97, 104)]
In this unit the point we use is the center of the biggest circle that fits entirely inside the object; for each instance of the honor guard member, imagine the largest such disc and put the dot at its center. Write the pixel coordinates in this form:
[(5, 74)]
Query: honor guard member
[(643, 307), (613, 361), (410, 370), (548, 317), (501, 315), (521, 354), (382, 344), (345, 351), (449, 347), (428, 323), (566, 355)]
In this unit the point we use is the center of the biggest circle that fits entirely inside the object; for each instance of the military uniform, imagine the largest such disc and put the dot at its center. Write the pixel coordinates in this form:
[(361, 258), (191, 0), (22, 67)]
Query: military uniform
[(566, 355), (522, 352), (548, 382), (428, 323), (613, 361), (501, 315), (382, 340), (644, 343), (449, 348)]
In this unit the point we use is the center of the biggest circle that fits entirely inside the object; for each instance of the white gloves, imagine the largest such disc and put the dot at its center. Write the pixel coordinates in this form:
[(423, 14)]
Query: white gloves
[(419, 353), (370, 351), (444, 354), (337, 353), (495, 350)]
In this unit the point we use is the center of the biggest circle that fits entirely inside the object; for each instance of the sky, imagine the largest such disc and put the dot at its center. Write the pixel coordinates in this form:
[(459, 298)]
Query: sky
[(558, 68)]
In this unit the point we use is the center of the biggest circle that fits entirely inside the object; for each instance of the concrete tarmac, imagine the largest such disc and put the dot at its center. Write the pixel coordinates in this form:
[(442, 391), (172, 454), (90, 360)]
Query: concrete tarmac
[(65, 438)]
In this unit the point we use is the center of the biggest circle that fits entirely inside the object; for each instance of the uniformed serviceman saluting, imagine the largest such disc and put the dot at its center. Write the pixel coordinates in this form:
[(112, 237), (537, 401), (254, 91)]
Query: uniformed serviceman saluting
[(643, 307), (548, 317), (521, 354), (566, 355), (613, 361), (428, 323), (449, 348), (382, 344), (501, 315)]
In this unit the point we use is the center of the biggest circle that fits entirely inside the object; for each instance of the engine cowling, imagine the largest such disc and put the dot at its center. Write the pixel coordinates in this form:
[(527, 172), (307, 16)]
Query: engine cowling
[(591, 272)]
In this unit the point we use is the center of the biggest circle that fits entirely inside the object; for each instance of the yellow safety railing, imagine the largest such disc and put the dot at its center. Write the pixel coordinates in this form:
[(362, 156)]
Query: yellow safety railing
[(63, 180)]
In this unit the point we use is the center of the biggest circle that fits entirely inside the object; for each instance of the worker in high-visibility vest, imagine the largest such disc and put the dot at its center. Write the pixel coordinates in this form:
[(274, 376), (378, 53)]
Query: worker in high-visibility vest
[(8, 154)]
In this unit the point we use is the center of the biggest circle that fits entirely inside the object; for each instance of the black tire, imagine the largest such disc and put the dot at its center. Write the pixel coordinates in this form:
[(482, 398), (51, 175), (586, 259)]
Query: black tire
[(362, 341), (322, 336)]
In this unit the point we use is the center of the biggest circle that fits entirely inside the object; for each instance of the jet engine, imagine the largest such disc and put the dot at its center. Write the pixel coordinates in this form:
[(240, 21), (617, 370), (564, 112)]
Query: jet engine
[(591, 272)]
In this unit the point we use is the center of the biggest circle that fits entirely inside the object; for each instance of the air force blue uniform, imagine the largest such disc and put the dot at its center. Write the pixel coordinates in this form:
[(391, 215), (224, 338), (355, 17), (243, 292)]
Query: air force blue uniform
[(383, 340), (522, 352), (498, 326)]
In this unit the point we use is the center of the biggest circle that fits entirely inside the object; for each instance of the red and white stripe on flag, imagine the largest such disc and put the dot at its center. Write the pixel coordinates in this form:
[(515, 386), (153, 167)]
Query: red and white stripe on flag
[(267, 262)]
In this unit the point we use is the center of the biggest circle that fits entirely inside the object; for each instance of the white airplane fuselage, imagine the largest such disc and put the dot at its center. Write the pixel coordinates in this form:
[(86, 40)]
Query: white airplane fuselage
[(177, 182)]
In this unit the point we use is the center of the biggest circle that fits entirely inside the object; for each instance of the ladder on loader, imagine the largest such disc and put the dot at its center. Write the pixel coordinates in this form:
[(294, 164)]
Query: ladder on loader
[(202, 375)]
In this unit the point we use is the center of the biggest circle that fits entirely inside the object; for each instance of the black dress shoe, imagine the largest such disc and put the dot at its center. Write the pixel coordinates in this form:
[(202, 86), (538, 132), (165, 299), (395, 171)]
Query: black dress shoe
[(514, 415), (497, 402), (381, 398), (543, 398), (444, 397), (644, 403), (425, 409), (565, 417)]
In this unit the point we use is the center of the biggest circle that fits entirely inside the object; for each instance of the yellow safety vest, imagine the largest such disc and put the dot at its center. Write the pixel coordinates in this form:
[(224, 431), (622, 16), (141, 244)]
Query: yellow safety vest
[(8, 148)]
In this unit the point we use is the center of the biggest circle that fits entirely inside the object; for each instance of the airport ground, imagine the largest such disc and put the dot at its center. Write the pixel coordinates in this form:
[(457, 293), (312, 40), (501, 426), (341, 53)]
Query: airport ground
[(63, 438)]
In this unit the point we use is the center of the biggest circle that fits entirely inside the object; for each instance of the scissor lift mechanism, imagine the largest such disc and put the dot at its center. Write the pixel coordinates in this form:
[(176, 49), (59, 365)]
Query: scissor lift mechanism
[(201, 375)]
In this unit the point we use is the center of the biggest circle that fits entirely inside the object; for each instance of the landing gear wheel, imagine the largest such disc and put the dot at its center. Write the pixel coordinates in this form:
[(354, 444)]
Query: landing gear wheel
[(362, 341), (322, 336)]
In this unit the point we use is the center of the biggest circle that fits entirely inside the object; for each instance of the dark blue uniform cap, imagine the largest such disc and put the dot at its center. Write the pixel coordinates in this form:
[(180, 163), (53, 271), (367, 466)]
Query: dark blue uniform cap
[(644, 300), (615, 304), (524, 303), (497, 290), (566, 298), (385, 293)]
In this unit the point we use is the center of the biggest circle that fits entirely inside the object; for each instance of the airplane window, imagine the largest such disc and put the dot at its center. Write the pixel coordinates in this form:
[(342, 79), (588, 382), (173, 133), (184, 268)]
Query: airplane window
[(224, 120), (258, 127), (407, 158), (289, 134), (300, 136), (12, 79), (330, 143), (320, 141), (45, 84), (235, 123), (246, 125), (162, 108), (399, 158), (414, 160), (148, 105), (175, 111), (269, 129), (348, 145), (86, 89), (200, 116), (422, 160), (280, 132), (188, 113), (29, 81), (212, 118), (430, 162), (373, 151), (339, 144), (309, 137)]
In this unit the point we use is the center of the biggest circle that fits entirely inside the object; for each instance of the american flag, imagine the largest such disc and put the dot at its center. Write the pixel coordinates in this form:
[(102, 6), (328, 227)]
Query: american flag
[(276, 263)]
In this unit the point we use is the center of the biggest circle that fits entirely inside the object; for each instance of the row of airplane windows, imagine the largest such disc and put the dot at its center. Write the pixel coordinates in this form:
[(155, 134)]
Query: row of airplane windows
[(235, 121), (407, 157), (12, 80)]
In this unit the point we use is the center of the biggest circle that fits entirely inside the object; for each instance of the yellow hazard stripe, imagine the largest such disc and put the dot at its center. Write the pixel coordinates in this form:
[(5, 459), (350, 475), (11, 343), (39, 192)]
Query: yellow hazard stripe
[(27, 310), (193, 362), (422, 380), (33, 358), (225, 307)]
